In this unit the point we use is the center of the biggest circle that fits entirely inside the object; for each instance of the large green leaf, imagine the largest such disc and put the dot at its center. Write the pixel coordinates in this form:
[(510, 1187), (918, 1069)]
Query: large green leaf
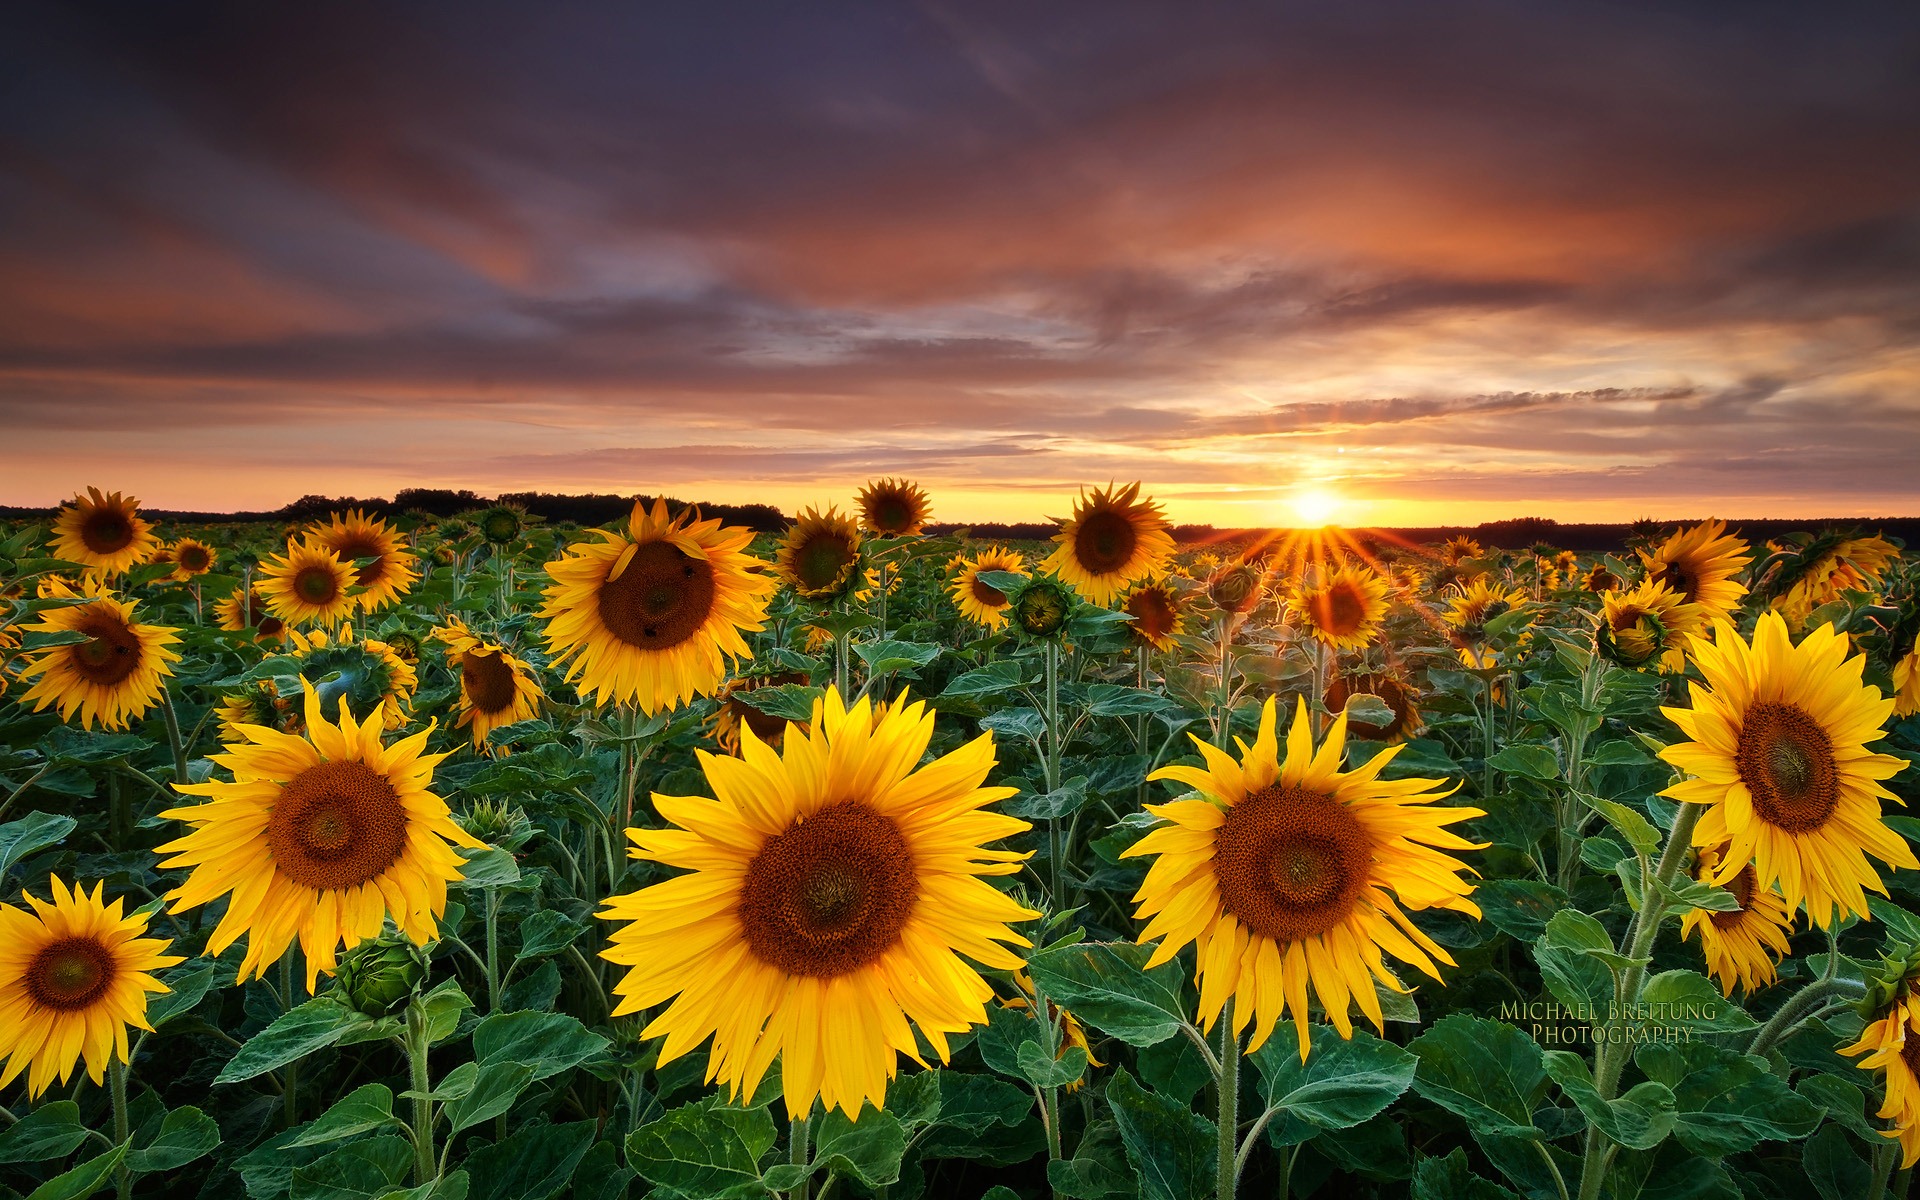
[(1639, 1120), (546, 1042), (366, 1168), (30, 835), (1449, 1179), (1107, 985), (1098, 1169), (867, 1151), (533, 1164), (982, 1118), (1521, 758), (185, 1134), (83, 1180), (1342, 1082), (51, 1131), (1486, 1072), (1835, 1165), (1172, 1148), (1727, 1102), (360, 1111), (495, 1087), (882, 657), (707, 1148), (318, 1023), (1519, 907)]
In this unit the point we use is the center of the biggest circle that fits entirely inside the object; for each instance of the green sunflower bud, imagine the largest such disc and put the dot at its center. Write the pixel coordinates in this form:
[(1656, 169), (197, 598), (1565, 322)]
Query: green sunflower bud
[(1041, 607), (497, 823), (1891, 980), (378, 976), (1236, 588)]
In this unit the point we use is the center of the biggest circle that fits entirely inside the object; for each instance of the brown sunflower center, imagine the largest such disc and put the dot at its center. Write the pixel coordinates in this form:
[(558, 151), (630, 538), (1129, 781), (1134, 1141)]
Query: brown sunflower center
[(110, 653), (1290, 863), (992, 597), (106, 531), (1339, 611), (891, 514), (659, 599), (1386, 687), (355, 546), (489, 680), (336, 825), (821, 561), (316, 584), (1743, 887), (1152, 614), (1786, 760), (70, 974), (1104, 541), (831, 894), (193, 558), (1910, 1054), (1677, 577)]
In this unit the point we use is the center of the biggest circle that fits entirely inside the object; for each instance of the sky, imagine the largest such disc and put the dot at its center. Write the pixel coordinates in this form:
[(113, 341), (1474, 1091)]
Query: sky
[(1376, 263)]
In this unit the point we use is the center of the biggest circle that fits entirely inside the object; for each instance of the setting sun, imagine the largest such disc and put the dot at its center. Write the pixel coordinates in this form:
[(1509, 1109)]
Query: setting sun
[(1314, 507)]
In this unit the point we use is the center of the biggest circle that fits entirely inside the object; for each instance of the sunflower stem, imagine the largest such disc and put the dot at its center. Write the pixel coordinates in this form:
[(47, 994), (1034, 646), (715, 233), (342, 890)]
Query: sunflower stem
[(1229, 1129), (493, 950), (1884, 1156), (290, 1074), (117, 1086), (119, 813), (424, 1169), (1140, 727), (174, 741), (1794, 1010), (797, 1154), (1054, 849)]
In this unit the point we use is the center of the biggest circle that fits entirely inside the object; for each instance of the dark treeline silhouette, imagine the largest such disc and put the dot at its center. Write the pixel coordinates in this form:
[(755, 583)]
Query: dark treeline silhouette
[(591, 509)]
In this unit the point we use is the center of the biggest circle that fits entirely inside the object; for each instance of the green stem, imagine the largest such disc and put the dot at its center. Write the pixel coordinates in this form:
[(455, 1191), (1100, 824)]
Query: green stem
[(424, 1170), (1229, 1130), (117, 1084), (21, 790), (1793, 1011), (1052, 767), (493, 950), (1140, 726), (174, 741), (797, 1155), (119, 813), (291, 1072), (1884, 1156)]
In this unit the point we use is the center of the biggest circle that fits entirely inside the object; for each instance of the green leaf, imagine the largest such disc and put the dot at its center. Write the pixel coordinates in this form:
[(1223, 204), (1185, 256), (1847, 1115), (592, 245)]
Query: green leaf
[(1485, 1072), (915, 1099), (1002, 581), (1521, 758), (548, 1043), (1170, 1146), (1098, 1169), (318, 1023), (1519, 907), (1004, 675), (360, 1111), (185, 1134), (189, 985), (1638, 1120), (1842, 1101), (1043, 1070), (1342, 1083), (1618, 753), (1728, 1102), (1836, 1169), (1114, 700), (787, 701), (533, 1164), (489, 868), (443, 1006), (1582, 933), (1364, 708), (1107, 985), (51, 1131), (890, 655), (867, 1151), (548, 931), (973, 1111), (1639, 832), (30, 835), (358, 1170), (1576, 980), (1449, 1179), (702, 1149), (1693, 894), (452, 1186), (495, 1087), (1688, 1000), (83, 1180)]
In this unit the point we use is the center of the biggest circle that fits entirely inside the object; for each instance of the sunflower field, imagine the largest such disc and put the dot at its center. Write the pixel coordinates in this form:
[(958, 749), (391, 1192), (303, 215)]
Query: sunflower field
[(485, 858)]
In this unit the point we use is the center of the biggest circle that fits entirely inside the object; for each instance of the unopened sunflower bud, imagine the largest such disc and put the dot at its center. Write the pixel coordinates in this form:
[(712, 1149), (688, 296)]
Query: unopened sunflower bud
[(1235, 588), (378, 976), (1041, 607)]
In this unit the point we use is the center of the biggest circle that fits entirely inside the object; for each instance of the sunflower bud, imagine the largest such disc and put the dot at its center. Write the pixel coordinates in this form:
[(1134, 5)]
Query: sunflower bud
[(497, 823), (379, 976), (500, 525), (1891, 980), (1235, 588), (1041, 608), (1641, 639)]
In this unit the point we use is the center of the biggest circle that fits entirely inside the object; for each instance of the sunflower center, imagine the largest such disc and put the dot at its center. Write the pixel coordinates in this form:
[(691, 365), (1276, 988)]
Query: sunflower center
[(70, 974), (316, 585), (659, 599), (110, 653), (106, 531), (193, 558), (1152, 615), (1677, 577), (1290, 863), (1104, 542), (336, 825), (1742, 886), (1786, 760), (489, 680), (831, 894), (1910, 1053), (350, 548), (891, 514), (992, 597), (1386, 687), (821, 561), (1339, 611)]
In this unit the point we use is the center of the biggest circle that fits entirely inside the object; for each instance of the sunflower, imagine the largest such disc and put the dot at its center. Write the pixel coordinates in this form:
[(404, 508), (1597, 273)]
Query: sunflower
[(355, 536), (1700, 564), (1832, 566), (820, 555), (832, 890), (1741, 947), (1456, 550), (1159, 613), (1237, 587), (1470, 606), (368, 672), (240, 610), (1072, 1033), (1392, 689), (496, 687), (1891, 1043), (114, 677), (259, 704), (983, 605), (1343, 610), (74, 973), (652, 616), (1778, 754), (1567, 563), (307, 585), (1285, 873), (1906, 681), (502, 524), (1645, 626), (191, 558), (893, 507), (1041, 607), (322, 837), (732, 713), (103, 533), (1113, 539), (1599, 580)]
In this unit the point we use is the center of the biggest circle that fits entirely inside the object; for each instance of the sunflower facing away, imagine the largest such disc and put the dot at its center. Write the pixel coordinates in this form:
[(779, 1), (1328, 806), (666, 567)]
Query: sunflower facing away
[(256, 704), (1646, 626), (1741, 947), (1392, 689), (367, 673), (114, 677), (74, 973), (1159, 614), (731, 713), (831, 890), (1832, 565), (1343, 610), (320, 837), (651, 616), (1891, 1043), (240, 611), (1113, 539), (191, 558), (355, 536), (820, 555), (893, 507), (496, 687), (984, 605), (1778, 754), (1285, 873), (307, 585), (1700, 563), (103, 533), (1906, 681)]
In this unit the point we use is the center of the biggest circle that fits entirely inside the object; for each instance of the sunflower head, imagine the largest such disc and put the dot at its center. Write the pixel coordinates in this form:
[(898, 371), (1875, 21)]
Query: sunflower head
[(1392, 689), (820, 555), (387, 569), (74, 973), (103, 533), (113, 676), (1471, 607), (240, 611), (1818, 570), (1159, 614), (1906, 679), (256, 704), (366, 673), (1890, 1042), (1112, 539), (732, 712), (1742, 945), (1700, 564), (1456, 550), (1600, 580), (191, 558), (1041, 606), (893, 507), (1343, 610), (1237, 587), (977, 600), (379, 976), (502, 524), (497, 687), (308, 585), (1646, 626)]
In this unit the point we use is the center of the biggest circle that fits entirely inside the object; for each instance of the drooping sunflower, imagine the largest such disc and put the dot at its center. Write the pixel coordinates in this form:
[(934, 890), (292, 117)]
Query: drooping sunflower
[(1778, 754), (1456, 550), (1743, 946), (1906, 681), (1891, 1043), (320, 837), (74, 973), (1393, 689), (1700, 563), (1600, 580), (1828, 567), (496, 686), (390, 575), (191, 558), (240, 610), (820, 555), (307, 585), (103, 533), (893, 507), (1470, 606), (1343, 610), (651, 617), (1113, 538), (1646, 626), (366, 673), (984, 605), (1159, 614), (732, 713), (832, 889), (1290, 873), (114, 677)]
